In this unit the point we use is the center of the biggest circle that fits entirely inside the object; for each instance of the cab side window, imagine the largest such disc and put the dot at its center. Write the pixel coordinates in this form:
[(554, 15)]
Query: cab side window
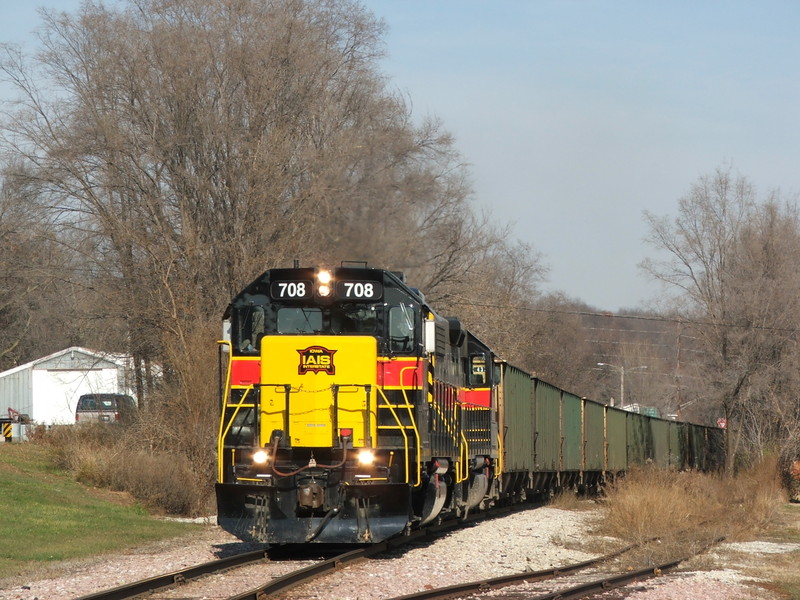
[(478, 372), (401, 328), (251, 327)]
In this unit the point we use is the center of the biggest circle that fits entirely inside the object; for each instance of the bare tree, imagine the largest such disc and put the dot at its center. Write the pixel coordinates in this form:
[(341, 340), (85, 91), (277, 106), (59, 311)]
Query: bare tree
[(734, 260), (33, 296), (187, 145), (560, 347)]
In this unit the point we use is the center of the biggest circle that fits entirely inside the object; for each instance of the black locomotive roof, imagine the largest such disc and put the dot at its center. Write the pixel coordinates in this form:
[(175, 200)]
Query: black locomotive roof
[(360, 272)]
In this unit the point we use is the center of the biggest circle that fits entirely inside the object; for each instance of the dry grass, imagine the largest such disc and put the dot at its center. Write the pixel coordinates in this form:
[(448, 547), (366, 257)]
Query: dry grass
[(108, 457), (569, 500), (687, 511), (163, 481), (779, 571)]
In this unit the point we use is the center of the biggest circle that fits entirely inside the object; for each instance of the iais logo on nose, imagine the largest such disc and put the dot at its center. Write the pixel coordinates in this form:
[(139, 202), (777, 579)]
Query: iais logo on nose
[(316, 359)]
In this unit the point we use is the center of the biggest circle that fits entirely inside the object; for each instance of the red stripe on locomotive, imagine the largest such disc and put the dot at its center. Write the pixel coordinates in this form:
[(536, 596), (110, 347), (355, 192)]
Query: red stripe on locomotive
[(245, 371), (400, 373), (480, 397)]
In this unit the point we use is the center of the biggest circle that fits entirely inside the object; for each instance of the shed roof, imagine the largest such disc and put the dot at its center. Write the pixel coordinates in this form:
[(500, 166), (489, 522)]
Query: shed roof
[(73, 358)]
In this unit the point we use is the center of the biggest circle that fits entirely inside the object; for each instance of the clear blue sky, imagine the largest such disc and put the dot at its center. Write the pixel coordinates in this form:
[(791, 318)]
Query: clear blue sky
[(576, 116)]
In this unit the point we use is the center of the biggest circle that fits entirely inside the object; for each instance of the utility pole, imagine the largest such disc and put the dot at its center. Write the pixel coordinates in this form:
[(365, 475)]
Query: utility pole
[(621, 370)]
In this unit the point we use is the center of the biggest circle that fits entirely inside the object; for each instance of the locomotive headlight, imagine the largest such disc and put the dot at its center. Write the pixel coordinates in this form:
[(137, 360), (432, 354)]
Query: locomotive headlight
[(366, 457), (260, 457), (324, 279)]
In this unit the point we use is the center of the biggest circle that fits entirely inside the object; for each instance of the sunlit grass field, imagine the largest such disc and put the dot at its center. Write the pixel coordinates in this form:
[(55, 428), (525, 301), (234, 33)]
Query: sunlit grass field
[(45, 516)]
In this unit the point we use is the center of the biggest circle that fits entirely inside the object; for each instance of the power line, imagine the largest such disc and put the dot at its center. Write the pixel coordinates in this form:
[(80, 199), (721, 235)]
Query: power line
[(655, 318)]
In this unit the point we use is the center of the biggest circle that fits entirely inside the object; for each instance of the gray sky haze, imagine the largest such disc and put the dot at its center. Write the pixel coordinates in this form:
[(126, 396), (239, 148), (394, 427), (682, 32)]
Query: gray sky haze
[(577, 116)]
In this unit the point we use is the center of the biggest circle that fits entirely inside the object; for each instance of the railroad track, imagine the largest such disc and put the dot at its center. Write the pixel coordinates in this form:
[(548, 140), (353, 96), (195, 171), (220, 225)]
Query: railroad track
[(574, 592), (284, 582), (581, 590), (160, 582)]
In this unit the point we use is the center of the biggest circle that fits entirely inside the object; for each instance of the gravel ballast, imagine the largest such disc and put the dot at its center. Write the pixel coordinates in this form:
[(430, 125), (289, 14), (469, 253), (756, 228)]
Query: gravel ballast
[(530, 540)]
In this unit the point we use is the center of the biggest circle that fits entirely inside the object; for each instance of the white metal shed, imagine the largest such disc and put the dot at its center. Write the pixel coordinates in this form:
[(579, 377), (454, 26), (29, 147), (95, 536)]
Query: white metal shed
[(48, 389)]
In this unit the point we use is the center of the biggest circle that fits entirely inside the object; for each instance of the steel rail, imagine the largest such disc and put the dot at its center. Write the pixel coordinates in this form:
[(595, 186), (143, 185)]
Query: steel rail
[(160, 582), (572, 593), (308, 573), (580, 591), (484, 585), (602, 585), (166, 580), (317, 570)]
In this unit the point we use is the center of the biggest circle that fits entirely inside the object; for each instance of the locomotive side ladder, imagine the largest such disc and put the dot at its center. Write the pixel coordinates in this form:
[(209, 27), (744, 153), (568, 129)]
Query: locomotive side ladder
[(396, 411)]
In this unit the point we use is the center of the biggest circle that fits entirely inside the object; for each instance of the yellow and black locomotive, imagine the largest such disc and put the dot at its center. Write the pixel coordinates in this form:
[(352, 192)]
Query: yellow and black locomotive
[(352, 412)]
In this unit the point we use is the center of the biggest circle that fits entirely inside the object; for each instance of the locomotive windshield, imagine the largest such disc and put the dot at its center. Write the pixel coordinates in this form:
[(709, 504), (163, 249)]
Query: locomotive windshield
[(354, 318), (293, 319)]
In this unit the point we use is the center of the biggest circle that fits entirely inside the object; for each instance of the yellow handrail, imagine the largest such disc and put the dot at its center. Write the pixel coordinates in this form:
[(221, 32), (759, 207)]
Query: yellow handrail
[(464, 466), (501, 461), (222, 434), (410, 409), (402, 430), (222, 410)]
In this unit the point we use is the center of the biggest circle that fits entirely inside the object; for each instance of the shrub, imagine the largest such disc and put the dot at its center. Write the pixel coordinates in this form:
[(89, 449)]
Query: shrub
[(161, 481), (82, 450), (681, 506), (109, 456)]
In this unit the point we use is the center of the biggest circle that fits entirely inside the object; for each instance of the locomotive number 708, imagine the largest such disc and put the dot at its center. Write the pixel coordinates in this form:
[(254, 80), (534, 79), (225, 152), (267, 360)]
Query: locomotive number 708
[(358, 289)]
